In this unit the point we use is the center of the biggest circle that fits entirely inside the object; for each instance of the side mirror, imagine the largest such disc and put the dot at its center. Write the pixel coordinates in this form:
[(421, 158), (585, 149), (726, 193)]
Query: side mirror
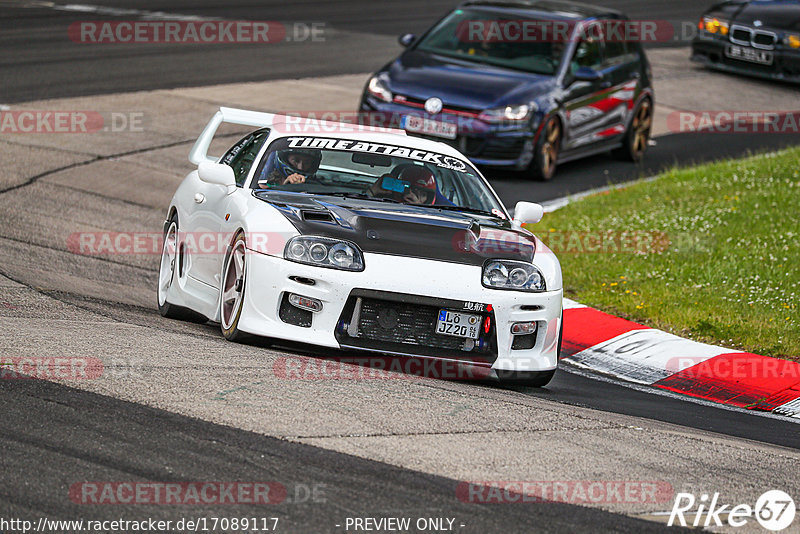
[(586, 74), (527, 213), (216, 173), (406, 39)]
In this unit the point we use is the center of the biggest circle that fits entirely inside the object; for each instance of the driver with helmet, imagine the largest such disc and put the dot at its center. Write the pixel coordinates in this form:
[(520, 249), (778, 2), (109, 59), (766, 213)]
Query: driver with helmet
[(420, 186), (289, 166)]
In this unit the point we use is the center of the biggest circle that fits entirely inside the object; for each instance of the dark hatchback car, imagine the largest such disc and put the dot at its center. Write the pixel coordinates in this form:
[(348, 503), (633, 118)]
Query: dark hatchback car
[(759, 38), (521, 85)]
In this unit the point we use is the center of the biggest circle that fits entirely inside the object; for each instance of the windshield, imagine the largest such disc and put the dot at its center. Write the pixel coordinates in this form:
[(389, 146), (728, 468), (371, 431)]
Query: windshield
[(384, 173), (497, 39)]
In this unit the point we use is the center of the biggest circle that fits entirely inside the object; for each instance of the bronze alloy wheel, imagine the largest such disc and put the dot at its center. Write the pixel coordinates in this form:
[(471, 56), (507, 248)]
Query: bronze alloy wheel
[(545, 157), (636, 139), (642, 123)]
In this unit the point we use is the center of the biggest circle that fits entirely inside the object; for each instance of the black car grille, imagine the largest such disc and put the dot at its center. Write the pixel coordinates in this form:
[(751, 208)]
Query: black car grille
[(740, 34), (403, 323), (503, 148), (491, 148), (764, 39), (406, 324), (419, 102), (753, 37)]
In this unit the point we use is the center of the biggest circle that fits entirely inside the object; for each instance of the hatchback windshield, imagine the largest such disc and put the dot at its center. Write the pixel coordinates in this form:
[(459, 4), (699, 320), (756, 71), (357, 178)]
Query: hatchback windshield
[(386, 173), (497, 39)]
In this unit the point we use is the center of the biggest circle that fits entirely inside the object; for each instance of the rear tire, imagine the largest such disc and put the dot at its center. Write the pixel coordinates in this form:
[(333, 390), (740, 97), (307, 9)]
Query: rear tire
[(167, 274), (545, 153), (634, 144)]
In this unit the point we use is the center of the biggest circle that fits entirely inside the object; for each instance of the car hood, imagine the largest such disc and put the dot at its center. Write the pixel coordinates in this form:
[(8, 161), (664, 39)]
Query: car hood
[(780, 15), (403, 230), (463, 83)]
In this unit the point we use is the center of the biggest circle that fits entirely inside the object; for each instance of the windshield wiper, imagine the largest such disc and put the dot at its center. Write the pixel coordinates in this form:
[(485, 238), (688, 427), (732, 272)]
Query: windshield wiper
[(466, 209), (361, 196)]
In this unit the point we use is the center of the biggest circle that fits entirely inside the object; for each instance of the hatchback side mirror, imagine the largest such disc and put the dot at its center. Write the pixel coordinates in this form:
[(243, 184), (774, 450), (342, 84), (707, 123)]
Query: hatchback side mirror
[(586, 74), (406, 39)]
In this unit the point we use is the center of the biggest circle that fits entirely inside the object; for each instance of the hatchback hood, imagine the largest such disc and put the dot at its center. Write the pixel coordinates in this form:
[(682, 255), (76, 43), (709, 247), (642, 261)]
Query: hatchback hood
[(463, 83)]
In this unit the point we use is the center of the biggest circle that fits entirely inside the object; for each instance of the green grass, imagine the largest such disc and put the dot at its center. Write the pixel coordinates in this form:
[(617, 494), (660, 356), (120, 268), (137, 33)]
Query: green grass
[(729, 273)]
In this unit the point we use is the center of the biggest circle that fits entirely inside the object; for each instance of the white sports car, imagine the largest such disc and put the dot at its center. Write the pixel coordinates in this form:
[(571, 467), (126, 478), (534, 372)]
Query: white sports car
[(360, 238)]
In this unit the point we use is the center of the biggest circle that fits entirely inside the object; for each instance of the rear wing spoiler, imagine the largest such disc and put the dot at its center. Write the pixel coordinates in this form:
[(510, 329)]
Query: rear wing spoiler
[(257, 119)]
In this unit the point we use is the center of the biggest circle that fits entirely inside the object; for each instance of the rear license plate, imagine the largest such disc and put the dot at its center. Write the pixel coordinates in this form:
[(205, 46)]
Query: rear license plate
[(745, 53), (420, 125), (457, 324)]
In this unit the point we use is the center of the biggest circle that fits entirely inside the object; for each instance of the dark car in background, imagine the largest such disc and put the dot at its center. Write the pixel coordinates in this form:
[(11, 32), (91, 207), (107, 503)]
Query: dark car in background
[(553, 90), (757, 38)]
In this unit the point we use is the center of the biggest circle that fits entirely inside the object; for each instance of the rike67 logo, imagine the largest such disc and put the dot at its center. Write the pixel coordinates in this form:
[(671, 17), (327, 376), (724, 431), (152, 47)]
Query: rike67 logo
[(774, 510)]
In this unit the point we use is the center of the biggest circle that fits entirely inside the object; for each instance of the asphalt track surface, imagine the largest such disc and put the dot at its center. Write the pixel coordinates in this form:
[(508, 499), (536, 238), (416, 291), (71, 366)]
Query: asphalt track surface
[(52, 433), (150, 444), (45, 63)]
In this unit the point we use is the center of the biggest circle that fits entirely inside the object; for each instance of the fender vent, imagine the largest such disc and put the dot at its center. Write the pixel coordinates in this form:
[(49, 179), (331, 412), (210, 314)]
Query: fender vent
[(320, 216)]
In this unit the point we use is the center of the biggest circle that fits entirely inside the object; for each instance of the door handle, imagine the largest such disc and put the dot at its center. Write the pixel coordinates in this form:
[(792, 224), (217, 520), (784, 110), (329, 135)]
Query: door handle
[(605, 84), (199, 198)]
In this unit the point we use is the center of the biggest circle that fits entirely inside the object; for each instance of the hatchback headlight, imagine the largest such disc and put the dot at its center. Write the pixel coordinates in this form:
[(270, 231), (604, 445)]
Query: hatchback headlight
[(378, 88), (324, 252), (515, 275), (508, 113)]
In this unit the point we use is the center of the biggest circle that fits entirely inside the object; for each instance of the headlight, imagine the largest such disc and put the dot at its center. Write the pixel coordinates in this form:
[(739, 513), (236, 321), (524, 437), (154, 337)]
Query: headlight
[(377, 88), (792, 41), (516, 275), (508, 113), (324, 252), (713, 25)]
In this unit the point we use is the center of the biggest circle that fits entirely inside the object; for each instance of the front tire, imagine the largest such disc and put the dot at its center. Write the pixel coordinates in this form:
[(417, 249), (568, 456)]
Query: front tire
[(232, 290)]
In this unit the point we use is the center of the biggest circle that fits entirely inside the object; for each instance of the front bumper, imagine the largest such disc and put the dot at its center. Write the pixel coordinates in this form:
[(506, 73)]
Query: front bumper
[(410, 282), (483, 143), (710, 51)]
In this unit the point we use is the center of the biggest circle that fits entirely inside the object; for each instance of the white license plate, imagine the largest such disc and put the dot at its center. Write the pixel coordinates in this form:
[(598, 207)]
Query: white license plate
[(745, 53), (420, 125), (457, 324)]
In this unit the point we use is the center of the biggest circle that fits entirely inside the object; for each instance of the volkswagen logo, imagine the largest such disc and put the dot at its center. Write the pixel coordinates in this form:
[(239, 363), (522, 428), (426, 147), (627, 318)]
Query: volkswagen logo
[(433, 105)]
